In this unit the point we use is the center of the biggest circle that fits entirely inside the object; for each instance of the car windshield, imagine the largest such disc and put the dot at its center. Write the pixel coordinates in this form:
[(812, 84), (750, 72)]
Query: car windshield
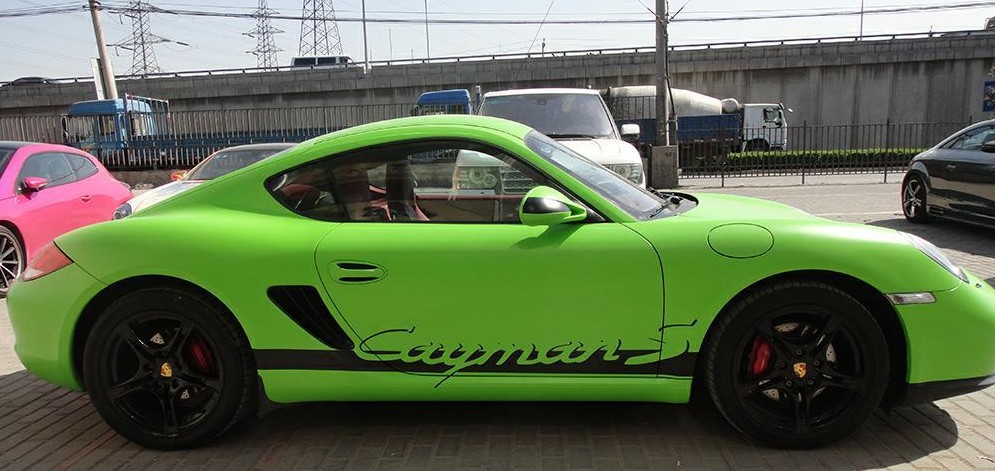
[(636, 201), (5, 154), (557, 115), (225, 162)]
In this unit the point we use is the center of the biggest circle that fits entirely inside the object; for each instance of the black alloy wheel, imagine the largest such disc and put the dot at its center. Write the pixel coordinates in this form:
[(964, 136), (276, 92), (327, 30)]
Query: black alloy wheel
[(914, 193), (797, 365), (11, 259), (168, 369)]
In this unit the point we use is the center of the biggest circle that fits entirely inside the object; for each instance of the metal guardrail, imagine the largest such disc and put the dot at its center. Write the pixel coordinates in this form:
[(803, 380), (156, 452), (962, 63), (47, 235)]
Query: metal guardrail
[(532, 55)]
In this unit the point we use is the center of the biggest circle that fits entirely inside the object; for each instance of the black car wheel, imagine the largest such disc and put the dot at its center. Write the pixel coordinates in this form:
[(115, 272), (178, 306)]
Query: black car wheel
[(11, 259), (797, 365), (168, 369), (914, 193)]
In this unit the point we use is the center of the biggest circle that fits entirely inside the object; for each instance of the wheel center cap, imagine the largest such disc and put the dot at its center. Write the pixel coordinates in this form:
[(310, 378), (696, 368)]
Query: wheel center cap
[(800, 369), (165, 370)]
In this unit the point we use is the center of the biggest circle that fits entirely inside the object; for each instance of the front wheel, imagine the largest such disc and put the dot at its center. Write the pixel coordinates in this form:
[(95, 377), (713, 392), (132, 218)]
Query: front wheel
[(11, 259), (168, 369), (797, 364), (914, 194)]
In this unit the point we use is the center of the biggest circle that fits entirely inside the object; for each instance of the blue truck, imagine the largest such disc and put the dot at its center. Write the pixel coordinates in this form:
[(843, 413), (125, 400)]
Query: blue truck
[(139, 132)]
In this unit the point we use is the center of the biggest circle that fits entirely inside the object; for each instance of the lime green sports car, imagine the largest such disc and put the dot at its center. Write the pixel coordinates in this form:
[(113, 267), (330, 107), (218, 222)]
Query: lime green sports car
[(459, 258)]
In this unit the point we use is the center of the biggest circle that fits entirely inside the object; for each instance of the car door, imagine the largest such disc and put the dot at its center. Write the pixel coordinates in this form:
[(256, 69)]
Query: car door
[(968, 172), (95, 203), (53, 210), (461, 287)]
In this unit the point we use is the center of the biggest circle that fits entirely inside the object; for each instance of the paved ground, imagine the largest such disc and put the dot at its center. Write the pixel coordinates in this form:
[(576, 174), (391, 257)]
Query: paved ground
[(44, 427)]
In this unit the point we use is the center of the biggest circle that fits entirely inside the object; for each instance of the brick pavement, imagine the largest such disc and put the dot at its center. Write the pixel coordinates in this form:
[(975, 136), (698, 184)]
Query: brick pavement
[(45, 427)]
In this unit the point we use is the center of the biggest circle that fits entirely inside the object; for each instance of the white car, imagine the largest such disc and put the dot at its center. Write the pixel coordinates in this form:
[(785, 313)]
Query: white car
[(215, 165), (578, 118)]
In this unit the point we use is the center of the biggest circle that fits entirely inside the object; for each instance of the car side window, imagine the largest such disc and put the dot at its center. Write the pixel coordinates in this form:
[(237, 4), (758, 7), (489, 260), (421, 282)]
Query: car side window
[(973, 139), (424, 181), (82, 167), (51, 166)]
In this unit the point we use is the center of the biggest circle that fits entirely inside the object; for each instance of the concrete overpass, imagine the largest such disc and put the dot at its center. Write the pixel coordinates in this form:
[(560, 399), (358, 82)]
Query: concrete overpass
[(925, 78)]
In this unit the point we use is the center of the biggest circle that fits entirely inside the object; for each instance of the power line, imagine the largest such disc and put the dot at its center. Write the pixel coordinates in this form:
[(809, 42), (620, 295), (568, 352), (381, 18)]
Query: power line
[(13, 13), (608, 21)]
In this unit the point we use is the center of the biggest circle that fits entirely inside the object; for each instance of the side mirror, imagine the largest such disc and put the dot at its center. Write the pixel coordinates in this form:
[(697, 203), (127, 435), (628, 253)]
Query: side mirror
[(988, 147), (177, 175), (544, 206), (630, 131), (33, 184)]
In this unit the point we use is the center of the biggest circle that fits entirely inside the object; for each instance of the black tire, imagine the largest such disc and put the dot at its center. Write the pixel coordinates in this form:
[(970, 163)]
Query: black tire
[(168, 369), (11, 259), (779, 398), (914, 193), (758, 145)]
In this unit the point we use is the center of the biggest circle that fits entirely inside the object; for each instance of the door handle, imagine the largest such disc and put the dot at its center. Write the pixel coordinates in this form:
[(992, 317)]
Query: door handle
[(86, 198), (951, 167), (354, 272)]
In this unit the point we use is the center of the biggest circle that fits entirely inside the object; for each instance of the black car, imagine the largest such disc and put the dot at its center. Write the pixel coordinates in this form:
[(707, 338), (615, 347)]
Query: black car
[(955, 179)]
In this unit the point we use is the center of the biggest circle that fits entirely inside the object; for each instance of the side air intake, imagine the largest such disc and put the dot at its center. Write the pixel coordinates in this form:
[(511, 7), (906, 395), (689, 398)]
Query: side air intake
[(304, 305)]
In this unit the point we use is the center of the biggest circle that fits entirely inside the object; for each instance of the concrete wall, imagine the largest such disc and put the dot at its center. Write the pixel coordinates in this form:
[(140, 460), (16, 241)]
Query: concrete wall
[(906, 80)]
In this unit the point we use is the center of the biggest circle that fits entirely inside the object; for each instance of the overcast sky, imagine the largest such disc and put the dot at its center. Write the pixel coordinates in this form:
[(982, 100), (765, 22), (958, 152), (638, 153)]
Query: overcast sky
[(60, 45)]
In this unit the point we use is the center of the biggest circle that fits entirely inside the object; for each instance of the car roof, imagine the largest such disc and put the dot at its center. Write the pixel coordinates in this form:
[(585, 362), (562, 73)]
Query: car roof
[(496, 124), (544, 91), (14, 144)]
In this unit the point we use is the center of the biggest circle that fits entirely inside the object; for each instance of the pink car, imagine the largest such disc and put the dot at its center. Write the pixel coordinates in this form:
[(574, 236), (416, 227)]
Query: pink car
[(47, 190)]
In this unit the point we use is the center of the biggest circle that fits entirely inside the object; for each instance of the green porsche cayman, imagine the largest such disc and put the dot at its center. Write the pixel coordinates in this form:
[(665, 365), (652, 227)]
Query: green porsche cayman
[(459, 258)]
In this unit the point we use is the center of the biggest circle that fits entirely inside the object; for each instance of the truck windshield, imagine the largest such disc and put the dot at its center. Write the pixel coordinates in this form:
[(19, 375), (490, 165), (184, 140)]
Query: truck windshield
[(557, 115), (636, 201)]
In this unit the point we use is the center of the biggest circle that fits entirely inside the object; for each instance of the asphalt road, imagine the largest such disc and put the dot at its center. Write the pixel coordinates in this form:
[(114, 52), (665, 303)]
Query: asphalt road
[(45, 427)]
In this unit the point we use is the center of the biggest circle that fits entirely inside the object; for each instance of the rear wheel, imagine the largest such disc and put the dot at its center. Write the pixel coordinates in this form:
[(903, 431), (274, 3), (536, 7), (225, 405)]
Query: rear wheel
[(797, 364), (11, 259), (914, 194), (168, 369)]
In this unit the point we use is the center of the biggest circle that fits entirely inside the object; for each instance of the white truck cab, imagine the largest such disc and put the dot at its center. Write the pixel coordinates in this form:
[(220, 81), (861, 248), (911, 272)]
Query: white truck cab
[(764, 126), (576, 117)]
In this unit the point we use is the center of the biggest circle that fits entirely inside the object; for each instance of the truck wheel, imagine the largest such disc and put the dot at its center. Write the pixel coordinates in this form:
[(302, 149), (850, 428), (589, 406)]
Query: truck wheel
[(758, 145)]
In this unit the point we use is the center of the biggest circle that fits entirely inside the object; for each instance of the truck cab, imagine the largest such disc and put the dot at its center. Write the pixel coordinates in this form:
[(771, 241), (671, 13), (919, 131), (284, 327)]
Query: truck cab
[(764, 126), (576, 117), (105, 127)]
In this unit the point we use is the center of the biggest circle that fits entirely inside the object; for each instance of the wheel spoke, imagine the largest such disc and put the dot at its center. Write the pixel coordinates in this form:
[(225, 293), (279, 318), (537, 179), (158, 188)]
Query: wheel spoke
[(825, 338), (143, 350), (194, 379), (170, 419), (178, 339), (773, 380), (776, 340), (141, 381), (833, 378), (803, 410)]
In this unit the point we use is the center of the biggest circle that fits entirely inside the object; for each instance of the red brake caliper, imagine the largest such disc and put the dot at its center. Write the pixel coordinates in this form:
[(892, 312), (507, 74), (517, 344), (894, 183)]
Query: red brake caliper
[(201, 355), (759, 356)]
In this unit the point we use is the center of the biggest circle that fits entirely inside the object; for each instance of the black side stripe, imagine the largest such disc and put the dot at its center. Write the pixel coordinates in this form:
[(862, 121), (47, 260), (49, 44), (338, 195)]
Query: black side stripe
[(348, 360)]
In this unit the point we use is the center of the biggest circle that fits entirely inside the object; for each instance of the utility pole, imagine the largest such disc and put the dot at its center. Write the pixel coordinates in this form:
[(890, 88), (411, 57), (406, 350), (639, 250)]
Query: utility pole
[(366, 50), (664, 161), (106, 70), (662, 75), (428, 51), (861, 18)]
